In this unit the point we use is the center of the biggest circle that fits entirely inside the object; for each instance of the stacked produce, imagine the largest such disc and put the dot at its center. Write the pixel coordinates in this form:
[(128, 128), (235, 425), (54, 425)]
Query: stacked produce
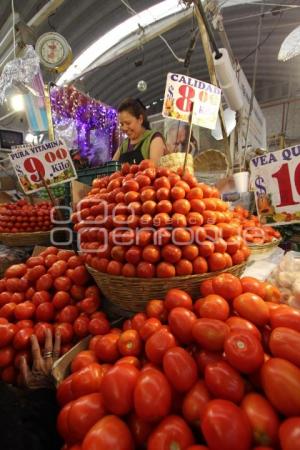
[(222, 373), (287, 277), (22, 217), (253, 231), (51, 291), (152, 222)]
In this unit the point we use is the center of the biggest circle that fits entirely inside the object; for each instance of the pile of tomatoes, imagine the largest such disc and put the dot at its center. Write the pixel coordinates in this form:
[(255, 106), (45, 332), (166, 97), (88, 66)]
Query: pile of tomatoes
[(54, 291), (152, 222), (22, 217), (222, 373), (253, 231)]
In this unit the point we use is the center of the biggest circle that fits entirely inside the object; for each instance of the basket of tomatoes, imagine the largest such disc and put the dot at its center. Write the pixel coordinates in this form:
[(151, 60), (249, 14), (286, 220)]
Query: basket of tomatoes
[(261, 239), (23, 224), (144, 230)]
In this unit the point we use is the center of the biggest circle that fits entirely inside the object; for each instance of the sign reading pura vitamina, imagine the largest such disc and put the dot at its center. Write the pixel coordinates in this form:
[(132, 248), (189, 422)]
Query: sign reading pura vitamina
[(48, 163), (183, 92), (275, 177)]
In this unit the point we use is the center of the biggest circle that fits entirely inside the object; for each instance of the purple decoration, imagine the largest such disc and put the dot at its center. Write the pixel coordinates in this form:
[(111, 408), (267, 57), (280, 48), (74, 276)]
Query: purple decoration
[(92, 119)]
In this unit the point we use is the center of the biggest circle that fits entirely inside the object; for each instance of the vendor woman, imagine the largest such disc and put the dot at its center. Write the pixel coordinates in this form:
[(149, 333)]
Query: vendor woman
[(141, 142)]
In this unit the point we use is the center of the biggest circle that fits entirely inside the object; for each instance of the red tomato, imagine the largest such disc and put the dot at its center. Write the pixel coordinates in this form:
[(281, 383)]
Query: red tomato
[(7, 333), (253, 308), (7, 311), (253, 285), (165, 270), (150, 327), (129, 360), (99, 326), (6, 356), (285, 343), (263, 419), (238, 324), (89, 305), (77, 417), (61, 299), (223, 381), (24, 310), (63, 283), (21, 340), (281, 384), (35, 273), (194, 402), (106, 348), (244, 351), (227, 286), (81, 326), (87, 380), (178, 297), (289, 434), (44, 312), (152, 395), (206, 288), (118, 386), (181, 321), (172, 432), (83, 359), (225, 426), (16, 271), (212, 307), (41, 297), (157, 345), (284, 316), (180, 369), (204, 357), (156, 308), (109, 433), (44, 283), (129, 343), (210, 333)]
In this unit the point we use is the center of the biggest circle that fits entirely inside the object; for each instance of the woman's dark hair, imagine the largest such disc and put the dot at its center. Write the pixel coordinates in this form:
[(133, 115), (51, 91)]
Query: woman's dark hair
[(136, 108)]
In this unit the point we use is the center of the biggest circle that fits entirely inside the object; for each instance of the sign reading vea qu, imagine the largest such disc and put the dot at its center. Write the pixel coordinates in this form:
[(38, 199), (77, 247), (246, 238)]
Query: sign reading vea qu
[(275, 178)]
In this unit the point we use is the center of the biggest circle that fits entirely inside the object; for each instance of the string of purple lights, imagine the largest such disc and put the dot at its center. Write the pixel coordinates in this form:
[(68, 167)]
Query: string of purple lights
[(90, 116)]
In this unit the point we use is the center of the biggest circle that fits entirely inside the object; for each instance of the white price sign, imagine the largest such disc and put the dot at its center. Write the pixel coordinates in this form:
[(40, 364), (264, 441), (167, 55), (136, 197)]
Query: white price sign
[(276, 180), (184, 94), (48, 163)]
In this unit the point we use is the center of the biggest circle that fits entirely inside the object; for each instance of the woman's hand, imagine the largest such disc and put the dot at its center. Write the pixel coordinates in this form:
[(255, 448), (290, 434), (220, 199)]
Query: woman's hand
[(39, 376)]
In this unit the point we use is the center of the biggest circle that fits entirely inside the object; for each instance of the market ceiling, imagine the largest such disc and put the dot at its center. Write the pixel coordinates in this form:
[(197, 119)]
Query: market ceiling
[(82, 22)]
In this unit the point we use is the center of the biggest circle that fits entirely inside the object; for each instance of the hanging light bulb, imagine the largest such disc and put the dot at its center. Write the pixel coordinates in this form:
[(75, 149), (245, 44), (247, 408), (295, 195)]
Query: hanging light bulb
[(142, 86)]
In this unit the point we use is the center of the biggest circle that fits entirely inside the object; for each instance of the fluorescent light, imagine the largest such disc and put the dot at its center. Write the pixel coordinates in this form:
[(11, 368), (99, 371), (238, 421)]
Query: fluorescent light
[(115, 35), (17, 102)]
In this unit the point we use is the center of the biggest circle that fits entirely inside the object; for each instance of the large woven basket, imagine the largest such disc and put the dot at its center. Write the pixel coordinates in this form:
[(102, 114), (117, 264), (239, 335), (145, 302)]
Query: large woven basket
[(25, 239), (262, 251), (132, 294)]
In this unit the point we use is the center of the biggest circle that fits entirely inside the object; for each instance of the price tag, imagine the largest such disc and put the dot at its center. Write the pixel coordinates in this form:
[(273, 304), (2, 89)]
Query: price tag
[(49, 163), (276, 180), (183, 91)]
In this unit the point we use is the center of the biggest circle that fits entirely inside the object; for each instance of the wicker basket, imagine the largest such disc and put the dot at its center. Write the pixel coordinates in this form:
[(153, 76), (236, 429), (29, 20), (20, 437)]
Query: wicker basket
[(132, 294), (262, 251), (25, 239)]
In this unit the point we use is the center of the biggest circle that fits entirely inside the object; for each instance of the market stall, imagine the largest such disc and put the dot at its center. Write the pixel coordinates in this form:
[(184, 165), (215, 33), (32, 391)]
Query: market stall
[(173, 288)]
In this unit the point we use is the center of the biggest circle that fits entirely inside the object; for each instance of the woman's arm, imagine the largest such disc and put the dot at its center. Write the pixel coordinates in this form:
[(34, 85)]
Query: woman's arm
[(157, 149)]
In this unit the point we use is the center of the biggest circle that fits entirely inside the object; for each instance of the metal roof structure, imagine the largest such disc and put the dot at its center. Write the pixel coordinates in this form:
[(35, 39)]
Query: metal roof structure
[(82, 22)]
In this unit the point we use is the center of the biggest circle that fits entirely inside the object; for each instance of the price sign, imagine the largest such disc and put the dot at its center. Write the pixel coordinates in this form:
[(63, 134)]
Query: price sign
[(48, 163), (182, 92), (276, 180)]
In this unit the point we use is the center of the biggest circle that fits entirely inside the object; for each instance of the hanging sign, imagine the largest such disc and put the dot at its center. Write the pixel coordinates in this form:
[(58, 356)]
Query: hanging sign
[(48, 163), (275, 177), (182, 92)]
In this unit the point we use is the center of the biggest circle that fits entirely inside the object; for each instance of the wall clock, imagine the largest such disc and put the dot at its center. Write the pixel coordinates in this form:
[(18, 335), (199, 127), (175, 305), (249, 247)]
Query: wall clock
[(54, 51)]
